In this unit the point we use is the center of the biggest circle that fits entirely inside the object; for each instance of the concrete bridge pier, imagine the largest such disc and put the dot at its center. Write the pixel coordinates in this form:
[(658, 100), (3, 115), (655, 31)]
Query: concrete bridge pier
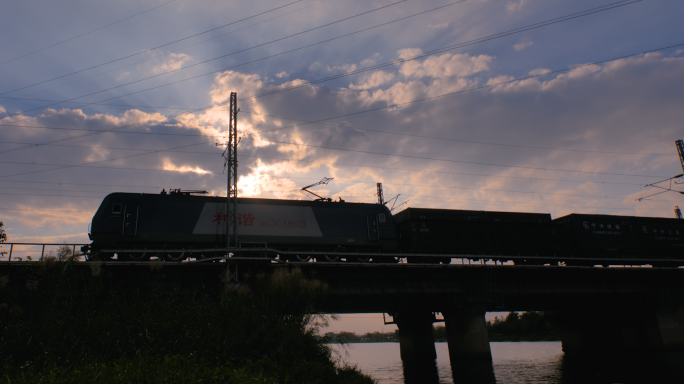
[(467, 336), (655, 335), (417, 346)]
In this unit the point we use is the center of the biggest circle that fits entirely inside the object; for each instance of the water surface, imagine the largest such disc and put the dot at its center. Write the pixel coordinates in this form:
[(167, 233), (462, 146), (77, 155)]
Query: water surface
[(512, 362)]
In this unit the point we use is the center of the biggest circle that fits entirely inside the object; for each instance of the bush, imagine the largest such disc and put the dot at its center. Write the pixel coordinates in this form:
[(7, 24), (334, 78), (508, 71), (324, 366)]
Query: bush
[(67, 322)]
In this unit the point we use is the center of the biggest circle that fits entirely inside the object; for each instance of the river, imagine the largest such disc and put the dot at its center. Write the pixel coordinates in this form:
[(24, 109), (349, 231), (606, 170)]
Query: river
[(513, 362)]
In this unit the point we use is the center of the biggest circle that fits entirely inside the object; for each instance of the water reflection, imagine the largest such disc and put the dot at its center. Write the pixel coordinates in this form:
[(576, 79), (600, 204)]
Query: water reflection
[(513, 362), (605, 369), (421, 371), (476, 372)]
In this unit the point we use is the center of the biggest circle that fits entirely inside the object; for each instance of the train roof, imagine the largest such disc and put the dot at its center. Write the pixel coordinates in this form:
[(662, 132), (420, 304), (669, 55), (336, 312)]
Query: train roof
[(214, 199)]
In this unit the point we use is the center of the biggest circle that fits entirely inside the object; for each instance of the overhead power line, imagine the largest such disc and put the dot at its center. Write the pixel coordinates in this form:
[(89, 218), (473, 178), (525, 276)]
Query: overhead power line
[(174, 51), (230, 54), (315, 162), (42, 210), (213, 106), (356, 128), (143, 51), (479, 40), (89, 165), (460, 45), (491, 85), (450, 160), (87, 33), (359, 112), (347, 150)]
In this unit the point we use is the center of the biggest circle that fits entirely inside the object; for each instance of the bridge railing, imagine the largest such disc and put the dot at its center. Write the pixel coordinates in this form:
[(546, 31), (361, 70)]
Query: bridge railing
[(38, 251)]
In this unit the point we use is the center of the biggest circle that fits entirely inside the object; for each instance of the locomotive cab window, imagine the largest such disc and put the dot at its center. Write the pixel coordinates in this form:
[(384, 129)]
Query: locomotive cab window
[(116, 208), (381, 218)]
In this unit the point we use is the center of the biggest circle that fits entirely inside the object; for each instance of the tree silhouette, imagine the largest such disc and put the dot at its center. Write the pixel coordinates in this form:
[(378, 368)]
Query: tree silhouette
[(3, 237)]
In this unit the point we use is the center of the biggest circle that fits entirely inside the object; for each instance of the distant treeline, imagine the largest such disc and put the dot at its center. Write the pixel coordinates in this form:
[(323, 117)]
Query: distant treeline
[(528, 326)]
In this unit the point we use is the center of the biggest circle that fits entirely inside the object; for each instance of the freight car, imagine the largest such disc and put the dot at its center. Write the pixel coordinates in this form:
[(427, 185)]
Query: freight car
[(183, 222), (483, 234), (605, 237), (576, 239)]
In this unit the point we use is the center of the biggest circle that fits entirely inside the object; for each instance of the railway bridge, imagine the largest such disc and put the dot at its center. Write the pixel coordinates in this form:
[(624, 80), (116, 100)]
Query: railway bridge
[(648, 302)]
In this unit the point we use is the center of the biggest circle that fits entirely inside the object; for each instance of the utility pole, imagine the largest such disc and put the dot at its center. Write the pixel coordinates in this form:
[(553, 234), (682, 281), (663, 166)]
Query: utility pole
[(230, 156), (381, 198), (680, 149)]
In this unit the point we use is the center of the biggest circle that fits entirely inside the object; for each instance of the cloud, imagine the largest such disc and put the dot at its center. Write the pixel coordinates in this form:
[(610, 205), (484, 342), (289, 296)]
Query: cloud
[(590, 108), (522, 45), (281, 74), (371, 60), (445, 65), (372, 80), (2, 109), (36, 216), (169, 166), (514, 6), (123, 75), (172, 62), (408, 53), (539, 71), (439, 26)]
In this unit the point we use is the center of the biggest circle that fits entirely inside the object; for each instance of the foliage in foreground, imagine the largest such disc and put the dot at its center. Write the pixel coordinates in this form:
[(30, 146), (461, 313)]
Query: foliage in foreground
[(63, 322)]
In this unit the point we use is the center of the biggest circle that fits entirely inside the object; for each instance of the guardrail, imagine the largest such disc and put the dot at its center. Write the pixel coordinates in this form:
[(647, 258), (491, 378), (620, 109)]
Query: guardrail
[(72, 247), (231, 253)]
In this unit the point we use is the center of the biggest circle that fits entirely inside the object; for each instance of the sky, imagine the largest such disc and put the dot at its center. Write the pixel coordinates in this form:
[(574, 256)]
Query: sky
[(551, 106)]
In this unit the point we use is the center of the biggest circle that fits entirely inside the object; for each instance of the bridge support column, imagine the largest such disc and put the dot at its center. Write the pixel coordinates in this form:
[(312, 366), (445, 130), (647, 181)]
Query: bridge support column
[(417, 346), (467, 336), (647, 335)]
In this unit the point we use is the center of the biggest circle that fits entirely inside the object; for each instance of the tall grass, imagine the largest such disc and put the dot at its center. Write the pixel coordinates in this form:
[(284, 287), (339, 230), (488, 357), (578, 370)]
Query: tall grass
[(64, 322)]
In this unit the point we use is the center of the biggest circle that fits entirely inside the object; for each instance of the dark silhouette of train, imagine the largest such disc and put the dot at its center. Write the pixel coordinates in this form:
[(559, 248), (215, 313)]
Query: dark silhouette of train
[(179, 225)]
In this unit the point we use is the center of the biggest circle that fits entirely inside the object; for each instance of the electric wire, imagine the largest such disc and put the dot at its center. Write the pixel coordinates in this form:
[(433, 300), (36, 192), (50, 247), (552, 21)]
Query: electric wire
[(364, 152), (369, 130), (146, 50), (452, 47), (410, 198), (490, 85), (196, 110), (87, 33), (220, 57), (204, 172), (450, 160), (498, 35), (315, 162), (174, 51)]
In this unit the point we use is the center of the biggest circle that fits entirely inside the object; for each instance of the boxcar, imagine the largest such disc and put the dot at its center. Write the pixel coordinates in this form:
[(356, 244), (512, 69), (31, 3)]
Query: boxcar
[(600, 236), (487, 233), (660, 238)]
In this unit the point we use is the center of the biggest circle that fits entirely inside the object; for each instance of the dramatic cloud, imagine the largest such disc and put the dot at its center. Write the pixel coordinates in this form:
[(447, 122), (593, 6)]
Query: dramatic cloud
[(496, 143)]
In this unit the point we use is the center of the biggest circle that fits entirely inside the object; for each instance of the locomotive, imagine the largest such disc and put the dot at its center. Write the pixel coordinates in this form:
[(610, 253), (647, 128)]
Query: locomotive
[(184, 223), (179, 225)]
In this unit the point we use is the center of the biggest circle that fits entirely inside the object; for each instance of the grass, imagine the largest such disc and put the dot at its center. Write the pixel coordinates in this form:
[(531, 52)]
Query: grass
[(65, 324)]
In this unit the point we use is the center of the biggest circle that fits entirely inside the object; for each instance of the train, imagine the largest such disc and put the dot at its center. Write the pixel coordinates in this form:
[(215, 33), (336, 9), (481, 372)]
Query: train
[(178, 225)]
